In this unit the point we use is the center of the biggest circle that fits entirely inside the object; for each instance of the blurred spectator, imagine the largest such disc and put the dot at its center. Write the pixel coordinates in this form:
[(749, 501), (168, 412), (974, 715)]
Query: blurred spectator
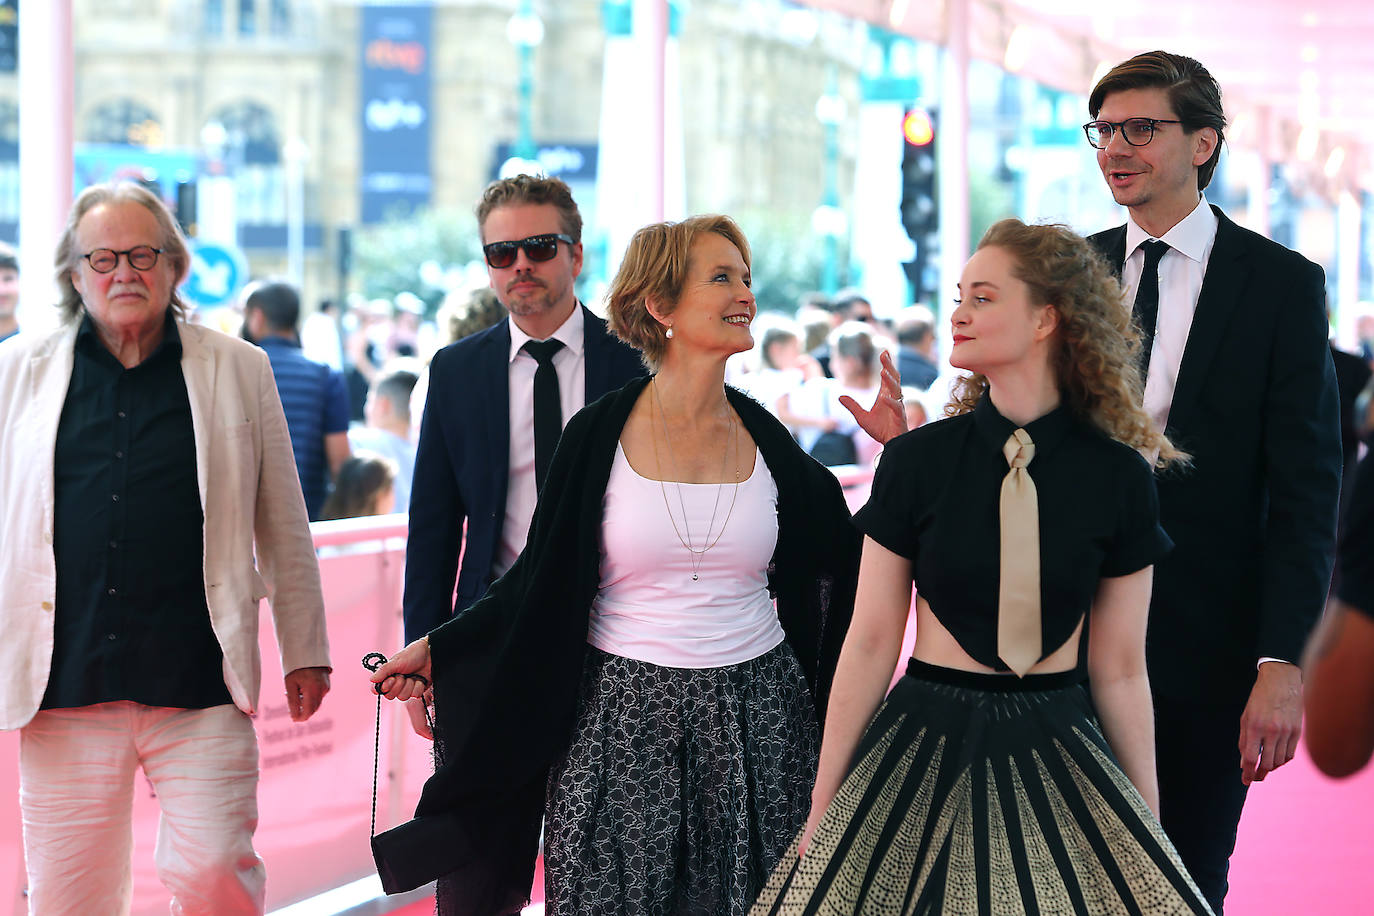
[(916, 347), (815, 330), (9, 291), (366, 485), (913, 402), (388, 431), (1364, 330), (852, 305), (406, 312), (783, 367), (468, 311), (321, 339), (364, 346), (815, 411), (312, 395), (814, 308), (1352, 375)]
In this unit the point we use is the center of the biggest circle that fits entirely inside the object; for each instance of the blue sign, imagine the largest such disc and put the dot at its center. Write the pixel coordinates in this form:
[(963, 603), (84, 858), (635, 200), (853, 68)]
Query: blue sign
[(570, 161), (217, 274), (395, 107)]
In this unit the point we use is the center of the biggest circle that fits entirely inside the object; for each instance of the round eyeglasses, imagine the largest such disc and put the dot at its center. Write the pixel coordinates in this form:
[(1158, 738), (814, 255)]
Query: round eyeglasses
[(104, 260), (1136, 131)]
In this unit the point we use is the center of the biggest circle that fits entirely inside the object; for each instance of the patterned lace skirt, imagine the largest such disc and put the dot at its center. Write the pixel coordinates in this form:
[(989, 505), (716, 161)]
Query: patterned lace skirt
[(982, 794), (682, 787)]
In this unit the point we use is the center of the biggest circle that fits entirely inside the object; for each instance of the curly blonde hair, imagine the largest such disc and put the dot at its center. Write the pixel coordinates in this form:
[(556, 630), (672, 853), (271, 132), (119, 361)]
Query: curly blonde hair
[(655, 267), (1096, 346)]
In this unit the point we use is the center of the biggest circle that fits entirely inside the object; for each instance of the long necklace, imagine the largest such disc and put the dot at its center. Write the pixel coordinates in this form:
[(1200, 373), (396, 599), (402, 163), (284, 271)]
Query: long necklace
[(696, 553)]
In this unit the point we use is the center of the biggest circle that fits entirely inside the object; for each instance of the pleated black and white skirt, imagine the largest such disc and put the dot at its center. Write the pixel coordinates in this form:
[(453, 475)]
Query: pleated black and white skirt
[(682, 788), (985, 795)]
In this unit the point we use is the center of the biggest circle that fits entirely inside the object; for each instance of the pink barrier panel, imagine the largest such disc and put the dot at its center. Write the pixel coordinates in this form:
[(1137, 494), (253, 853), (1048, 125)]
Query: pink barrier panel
[(316, 785), (11, 834)]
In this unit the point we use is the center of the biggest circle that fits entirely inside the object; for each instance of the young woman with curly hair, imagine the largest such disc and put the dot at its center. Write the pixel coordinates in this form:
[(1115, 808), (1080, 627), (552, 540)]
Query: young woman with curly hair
[(991, 779)]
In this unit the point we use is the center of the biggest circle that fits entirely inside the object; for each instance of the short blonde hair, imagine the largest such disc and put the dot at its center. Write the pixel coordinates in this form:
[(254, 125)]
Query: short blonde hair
[(655, 267)]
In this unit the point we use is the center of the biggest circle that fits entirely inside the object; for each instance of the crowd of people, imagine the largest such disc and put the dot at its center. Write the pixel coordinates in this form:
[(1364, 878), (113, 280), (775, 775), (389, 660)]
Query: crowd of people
[(1115, 497)]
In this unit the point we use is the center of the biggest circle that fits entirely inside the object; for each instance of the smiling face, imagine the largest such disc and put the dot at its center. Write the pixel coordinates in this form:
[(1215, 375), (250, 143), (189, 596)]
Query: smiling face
[(716, 305), (125, 303), (996, 324), (537, 293), (1157, 181)]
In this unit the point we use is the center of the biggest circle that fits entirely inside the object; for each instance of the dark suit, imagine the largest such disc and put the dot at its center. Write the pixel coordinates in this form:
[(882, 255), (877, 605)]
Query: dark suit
[(1253, 521), (462, 462)]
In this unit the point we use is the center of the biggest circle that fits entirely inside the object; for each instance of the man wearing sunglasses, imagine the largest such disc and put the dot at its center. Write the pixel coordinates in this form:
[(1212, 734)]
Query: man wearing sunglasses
[(482, 444), (1237, 369)]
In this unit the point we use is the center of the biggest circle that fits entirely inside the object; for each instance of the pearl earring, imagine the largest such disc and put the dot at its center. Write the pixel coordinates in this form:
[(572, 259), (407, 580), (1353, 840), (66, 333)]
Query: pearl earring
[(670, 333)]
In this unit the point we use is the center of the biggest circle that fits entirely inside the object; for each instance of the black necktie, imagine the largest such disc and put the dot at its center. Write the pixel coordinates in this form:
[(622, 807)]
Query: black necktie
[(548, 407), (1147, 302)]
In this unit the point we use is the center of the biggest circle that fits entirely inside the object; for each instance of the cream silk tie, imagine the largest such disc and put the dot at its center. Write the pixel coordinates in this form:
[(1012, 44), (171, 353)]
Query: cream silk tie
[(1018, 591)]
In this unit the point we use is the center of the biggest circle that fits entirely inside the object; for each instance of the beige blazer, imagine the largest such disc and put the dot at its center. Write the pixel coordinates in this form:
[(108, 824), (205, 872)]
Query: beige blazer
[(248, 491)]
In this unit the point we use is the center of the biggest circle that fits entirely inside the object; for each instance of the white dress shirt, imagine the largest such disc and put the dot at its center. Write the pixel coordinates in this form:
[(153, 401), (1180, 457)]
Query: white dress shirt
[(1181, 271), (1180, 282), (521, 492)]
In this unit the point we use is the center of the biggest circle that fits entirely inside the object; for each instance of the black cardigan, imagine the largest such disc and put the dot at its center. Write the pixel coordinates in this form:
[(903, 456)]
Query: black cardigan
[(508, 669)]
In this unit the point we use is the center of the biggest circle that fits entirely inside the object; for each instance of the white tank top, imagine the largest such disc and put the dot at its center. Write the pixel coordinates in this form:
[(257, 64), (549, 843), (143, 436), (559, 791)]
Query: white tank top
[(649, 608)]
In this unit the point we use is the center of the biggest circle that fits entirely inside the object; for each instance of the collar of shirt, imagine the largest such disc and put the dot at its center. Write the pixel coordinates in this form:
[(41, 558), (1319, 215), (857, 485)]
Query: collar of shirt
[(1046, 431), (276, 342), (1192, 236), (88, 342), (569, 334)]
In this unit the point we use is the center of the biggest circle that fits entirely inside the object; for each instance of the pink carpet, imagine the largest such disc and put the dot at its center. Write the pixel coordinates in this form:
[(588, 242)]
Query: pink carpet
[(1306, 847)]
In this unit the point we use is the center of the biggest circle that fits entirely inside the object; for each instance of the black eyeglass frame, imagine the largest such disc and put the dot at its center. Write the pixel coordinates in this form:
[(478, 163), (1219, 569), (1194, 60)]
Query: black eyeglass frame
[(1114, 126), (128, 253), (506, 252)]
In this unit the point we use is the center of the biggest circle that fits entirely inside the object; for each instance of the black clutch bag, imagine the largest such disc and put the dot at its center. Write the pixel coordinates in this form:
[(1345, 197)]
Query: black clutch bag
[(423, 848), (415, 853)]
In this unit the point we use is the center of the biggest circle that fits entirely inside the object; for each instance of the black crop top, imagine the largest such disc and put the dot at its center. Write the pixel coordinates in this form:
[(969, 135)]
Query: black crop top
[(935, 501)]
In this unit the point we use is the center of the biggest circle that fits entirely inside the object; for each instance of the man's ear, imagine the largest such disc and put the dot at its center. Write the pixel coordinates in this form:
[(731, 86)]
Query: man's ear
[(1204, 145)]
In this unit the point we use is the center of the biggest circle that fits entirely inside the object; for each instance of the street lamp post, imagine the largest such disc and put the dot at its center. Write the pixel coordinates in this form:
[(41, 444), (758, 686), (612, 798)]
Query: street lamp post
[(525, 30)]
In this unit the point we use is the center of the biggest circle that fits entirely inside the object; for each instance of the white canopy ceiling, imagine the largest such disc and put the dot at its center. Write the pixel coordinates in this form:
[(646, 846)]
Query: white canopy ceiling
[(1297, 78)]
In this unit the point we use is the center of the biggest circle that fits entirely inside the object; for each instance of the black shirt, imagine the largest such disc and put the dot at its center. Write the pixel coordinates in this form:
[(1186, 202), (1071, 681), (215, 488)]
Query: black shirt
[(935, 500), (128, 537), (1355, 556)]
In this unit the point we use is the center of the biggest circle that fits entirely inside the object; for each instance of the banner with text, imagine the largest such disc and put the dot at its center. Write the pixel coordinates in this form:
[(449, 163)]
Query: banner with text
[(395, 83)]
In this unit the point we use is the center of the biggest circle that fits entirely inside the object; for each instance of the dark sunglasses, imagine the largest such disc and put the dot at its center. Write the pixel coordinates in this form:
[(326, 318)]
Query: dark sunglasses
[(537, 248)]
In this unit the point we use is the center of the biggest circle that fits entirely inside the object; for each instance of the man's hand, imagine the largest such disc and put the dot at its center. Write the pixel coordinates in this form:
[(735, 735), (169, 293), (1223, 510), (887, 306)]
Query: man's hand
[(886, 420), (415, 708), (1272, 721), (305, 688)]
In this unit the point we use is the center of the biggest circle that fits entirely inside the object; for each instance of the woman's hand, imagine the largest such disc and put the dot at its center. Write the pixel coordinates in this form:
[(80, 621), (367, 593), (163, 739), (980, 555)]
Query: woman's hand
[(413, 659), (886, 420)]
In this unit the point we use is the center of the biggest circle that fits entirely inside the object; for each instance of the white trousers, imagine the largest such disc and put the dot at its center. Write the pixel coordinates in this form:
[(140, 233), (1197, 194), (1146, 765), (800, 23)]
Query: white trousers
[(76, 771)]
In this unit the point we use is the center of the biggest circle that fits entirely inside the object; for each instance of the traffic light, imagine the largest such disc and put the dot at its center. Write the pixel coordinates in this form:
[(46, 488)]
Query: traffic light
[(186, 207), (920, 204)]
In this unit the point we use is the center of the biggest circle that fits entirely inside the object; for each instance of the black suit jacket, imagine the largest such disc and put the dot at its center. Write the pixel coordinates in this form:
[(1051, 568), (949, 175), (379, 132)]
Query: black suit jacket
[(1254, 518), (462, 461)]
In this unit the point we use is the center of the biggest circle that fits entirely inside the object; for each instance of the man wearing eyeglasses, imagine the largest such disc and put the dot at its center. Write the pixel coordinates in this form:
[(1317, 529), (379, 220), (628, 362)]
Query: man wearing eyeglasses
[(1238, 372), (494, 409), (148, 501)]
